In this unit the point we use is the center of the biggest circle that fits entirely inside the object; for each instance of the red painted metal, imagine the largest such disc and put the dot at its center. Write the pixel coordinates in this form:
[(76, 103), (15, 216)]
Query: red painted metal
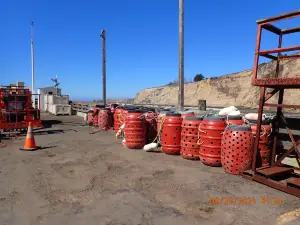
[(237, 120), (104, 119), (171, 134), (151, 123), (236, 151), (90, 117), (189, 137), (275, 175), (16, 109), (264, 148), (211, 131), (135, 129)]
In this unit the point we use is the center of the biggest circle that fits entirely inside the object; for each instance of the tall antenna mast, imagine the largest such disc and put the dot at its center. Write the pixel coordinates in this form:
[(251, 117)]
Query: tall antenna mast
[(32, 66), (55, 80)]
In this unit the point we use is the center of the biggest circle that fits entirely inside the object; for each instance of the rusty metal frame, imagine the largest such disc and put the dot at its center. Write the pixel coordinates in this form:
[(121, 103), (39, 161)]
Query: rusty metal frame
[(266, 24), (271, 175), (275, 175)]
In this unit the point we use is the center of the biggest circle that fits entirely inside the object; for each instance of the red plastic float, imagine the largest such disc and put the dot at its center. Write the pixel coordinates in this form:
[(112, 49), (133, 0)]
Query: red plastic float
[(117, 122), (171, 134), (185, 114), (236, 152), (104, 119), (189, 137), (237, 120), (264, 141), (90, 117), (211, 132), (160, 117), (135, 129), (95, 116), (151, 126)]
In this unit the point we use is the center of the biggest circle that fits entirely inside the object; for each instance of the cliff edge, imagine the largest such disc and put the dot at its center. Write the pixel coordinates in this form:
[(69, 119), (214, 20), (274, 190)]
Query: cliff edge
[(232, 89)]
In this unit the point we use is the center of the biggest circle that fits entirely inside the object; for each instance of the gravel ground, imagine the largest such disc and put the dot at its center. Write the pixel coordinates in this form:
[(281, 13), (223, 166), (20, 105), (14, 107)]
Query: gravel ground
[(81, 178)]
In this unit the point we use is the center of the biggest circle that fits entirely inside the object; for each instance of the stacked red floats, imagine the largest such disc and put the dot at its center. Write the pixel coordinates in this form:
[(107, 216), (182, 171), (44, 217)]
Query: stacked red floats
[(171, 134), (211, 132), (263, 147), (189, 137), (104, 119), (135, 129)]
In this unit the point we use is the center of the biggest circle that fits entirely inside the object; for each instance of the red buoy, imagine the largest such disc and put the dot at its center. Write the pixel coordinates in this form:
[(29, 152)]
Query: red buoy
[(90, 117), (189, 137), (171, 134), (95, 116), (185, 114), (104, 119), (151, 126), (237, 120), (211, 132), (264, 141), (135, 129), (236, 149)]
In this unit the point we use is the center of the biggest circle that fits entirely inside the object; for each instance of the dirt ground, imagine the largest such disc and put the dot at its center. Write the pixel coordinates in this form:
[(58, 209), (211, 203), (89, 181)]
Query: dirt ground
[(81, 178)]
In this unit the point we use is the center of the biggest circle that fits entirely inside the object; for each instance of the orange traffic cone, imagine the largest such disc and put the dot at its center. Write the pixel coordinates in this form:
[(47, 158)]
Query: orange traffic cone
[(30, 142)]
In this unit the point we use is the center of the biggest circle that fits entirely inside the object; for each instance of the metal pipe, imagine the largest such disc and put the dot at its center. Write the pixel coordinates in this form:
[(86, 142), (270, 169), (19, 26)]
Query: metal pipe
[(32, 66), (103, 35), (181, 55)]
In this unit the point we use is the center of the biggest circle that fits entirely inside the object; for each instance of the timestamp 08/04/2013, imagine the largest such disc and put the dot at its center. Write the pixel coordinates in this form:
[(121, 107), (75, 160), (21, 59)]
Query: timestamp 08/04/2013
[(245, 201)]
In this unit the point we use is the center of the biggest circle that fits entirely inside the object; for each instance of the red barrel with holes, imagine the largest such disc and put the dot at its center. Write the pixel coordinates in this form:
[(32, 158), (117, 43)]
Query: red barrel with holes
[(189, 137), (211, 132), (151, 126), (104, 119), (171, 134), (90, 117), (95, 116), (236, 152), (185, 114), (117, 122), (135, 130), (264, 141), (236, 120)]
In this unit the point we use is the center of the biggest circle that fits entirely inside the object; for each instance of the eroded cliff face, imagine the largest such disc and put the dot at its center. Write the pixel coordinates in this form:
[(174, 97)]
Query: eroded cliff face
[(232, 89)]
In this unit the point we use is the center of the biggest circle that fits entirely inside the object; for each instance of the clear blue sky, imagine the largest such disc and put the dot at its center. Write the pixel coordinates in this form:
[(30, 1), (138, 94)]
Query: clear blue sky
[(142, 41)]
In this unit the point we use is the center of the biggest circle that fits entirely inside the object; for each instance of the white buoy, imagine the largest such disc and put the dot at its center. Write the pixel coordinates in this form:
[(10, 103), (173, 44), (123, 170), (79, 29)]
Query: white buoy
[(150, 147), (235, 113), (227, 110)]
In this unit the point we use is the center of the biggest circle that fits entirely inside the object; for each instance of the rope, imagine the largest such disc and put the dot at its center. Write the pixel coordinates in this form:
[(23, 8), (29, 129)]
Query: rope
[(159, 132), (262, 127), (200, 131)]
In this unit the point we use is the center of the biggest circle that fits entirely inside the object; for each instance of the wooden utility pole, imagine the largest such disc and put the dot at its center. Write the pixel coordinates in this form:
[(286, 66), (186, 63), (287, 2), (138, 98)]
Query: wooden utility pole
[(32, 66), (181, 55), (103, 35)]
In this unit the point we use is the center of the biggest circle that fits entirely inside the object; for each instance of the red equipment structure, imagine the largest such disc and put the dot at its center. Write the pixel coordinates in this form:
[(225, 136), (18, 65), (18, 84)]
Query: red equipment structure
[(16, 110), (276, 175)]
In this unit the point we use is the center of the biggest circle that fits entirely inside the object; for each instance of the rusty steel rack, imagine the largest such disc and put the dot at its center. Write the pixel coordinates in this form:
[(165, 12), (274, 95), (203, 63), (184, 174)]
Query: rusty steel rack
[(276, 175)]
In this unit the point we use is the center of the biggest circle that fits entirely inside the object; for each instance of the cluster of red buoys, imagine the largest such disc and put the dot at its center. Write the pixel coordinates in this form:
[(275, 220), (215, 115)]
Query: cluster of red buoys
[(214, 140)]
